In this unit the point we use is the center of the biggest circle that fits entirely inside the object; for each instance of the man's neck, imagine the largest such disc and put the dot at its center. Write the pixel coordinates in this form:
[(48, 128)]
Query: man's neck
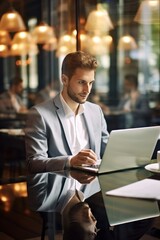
[(72, 104)]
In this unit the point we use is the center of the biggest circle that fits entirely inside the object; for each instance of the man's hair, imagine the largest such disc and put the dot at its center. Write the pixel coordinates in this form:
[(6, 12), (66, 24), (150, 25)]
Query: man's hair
[(78, 59), (132, 79), (76, 230), (15, 81)]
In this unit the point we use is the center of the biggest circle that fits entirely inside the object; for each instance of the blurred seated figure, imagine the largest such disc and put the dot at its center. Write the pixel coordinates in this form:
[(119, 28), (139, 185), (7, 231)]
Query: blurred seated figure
[(156, 112), (45, 94), (10, 100), (95, 98), (134, 104)]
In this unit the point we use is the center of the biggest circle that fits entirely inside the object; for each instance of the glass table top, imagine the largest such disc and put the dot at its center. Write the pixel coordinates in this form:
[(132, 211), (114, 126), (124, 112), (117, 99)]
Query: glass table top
[(75, 203)]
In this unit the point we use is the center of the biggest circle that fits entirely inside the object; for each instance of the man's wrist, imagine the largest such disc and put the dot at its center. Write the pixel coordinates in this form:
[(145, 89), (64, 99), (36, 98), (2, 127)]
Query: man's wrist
[(67, 165)]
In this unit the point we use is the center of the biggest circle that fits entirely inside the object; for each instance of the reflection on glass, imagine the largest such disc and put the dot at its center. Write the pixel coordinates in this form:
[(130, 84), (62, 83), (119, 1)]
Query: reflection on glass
[(72, 209)]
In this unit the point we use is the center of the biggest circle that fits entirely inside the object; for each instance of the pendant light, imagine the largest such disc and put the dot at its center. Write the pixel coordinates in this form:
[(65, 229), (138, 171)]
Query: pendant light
[(5, 37), (11, 21), (23, 44), (42, 33), (148, 12), (127, 42), (98, 21)]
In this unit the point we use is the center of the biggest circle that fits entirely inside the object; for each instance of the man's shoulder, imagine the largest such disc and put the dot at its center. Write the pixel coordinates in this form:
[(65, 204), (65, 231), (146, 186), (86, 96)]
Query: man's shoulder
[(91, 105), (48, 104), (4, 95)]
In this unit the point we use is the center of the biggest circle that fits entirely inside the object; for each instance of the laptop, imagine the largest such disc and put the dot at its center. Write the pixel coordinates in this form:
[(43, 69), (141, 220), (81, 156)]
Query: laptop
[(126, 149)]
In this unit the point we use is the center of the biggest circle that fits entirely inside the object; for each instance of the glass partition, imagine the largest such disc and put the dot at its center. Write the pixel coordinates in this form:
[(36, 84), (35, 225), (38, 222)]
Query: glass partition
[(123, 35)]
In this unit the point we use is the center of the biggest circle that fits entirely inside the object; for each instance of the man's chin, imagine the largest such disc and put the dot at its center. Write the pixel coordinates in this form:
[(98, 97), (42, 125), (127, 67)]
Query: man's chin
[(82, 101)]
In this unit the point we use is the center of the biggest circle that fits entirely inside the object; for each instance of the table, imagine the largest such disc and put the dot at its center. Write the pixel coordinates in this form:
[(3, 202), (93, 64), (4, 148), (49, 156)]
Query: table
[(13, 120), (94, 215), (12, 152)]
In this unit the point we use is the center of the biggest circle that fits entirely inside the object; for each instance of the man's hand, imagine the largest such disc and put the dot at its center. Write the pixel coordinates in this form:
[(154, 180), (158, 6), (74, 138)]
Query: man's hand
[(83, 178), (85, 156)]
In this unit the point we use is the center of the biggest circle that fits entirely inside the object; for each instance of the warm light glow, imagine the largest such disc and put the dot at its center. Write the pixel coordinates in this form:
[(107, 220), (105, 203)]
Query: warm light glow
[(20, 189), (43, 33), (11, 16), (4, 37), (23, 44), (43, 29), (108, 40), (51, 44), (127, 39), (3, 48), (127, 42), (22, 37), (23, 49), (96, 39), (4, 199), (98, 21), (66, 44), (63, 49), (74, 32), (12, 22), (148, 12), (67, 38), (96, 46), (153, 3), (83, 37), (4, 51), (23, 62)]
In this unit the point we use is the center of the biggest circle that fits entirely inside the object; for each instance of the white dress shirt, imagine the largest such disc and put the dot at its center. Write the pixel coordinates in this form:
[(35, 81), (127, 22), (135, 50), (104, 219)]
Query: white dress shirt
[(78, 134)]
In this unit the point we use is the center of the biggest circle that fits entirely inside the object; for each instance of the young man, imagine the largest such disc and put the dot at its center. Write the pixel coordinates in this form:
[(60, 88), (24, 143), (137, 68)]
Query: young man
[(67, 130)]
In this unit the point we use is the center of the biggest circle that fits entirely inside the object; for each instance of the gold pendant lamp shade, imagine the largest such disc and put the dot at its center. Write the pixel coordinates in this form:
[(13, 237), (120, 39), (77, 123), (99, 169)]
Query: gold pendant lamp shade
[(127, 42), (5, 41), (23, 44), (5, 37), (42, 33), (148, 12), (98, 21), (12, 22), (4, 51)]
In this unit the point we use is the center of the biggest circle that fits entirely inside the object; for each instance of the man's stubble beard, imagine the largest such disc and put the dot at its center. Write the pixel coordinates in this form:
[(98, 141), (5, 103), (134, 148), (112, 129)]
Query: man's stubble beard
[(74, 98)]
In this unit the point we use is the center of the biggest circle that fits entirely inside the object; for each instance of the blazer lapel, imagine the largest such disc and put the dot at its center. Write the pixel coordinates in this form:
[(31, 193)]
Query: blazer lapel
[(61, 116), (90, 129)]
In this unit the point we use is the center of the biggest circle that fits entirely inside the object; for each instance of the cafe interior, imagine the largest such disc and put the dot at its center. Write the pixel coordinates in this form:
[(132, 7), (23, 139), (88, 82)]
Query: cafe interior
[(35, 36)]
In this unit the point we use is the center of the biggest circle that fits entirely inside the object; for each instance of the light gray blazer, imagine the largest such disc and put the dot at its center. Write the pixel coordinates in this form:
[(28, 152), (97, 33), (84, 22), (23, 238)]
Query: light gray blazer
[(47, 145)]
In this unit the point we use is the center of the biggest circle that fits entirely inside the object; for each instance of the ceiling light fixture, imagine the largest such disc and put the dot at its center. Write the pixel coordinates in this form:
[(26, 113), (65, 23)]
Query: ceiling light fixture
[(11, 21)]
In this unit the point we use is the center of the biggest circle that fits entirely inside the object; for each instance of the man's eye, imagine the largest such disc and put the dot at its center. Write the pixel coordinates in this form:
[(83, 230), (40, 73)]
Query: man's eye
[(81, 82)]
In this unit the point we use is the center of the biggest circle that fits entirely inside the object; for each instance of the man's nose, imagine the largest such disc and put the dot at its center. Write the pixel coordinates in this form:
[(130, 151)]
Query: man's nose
[(87, 88)]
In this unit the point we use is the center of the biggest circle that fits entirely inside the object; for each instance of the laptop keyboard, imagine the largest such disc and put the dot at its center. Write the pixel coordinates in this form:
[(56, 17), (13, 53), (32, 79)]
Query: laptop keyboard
[(95, 166)]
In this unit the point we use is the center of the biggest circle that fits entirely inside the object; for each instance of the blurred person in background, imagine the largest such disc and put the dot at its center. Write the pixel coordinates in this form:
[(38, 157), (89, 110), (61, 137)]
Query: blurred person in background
[(134, 104), (11, 100), (45, 94)]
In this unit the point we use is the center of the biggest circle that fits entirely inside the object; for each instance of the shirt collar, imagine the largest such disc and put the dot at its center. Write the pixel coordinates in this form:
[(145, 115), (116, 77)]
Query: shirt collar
[(68, 111)]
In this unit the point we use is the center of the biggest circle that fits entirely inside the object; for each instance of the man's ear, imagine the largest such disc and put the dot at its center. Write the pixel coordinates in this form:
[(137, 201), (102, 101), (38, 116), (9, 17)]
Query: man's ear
[(64, 79)]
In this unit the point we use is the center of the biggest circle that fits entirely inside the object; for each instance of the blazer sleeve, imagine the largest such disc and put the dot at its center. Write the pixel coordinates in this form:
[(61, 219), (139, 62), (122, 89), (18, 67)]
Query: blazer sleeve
[(37, 137)]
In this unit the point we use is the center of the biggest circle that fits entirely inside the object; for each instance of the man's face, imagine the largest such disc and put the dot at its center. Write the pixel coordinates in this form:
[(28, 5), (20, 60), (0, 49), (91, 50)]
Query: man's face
[(19, 88), (78, 87), (128, 86), (85, 217)]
